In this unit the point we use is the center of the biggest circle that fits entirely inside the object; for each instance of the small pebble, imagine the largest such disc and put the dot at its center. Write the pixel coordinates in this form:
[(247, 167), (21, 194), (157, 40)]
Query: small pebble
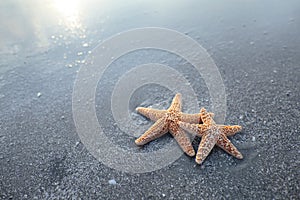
[(112, 182), (39, 94), (77, 143), (253, 139)]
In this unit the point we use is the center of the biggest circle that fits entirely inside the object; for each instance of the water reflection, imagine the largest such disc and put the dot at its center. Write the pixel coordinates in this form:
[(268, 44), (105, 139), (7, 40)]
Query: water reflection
[(70, 15), (38, 23), (69, 8)]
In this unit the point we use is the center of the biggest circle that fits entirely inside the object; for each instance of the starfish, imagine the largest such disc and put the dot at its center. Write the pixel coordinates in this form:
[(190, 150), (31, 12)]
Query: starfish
[(167, 121), (212, 134)]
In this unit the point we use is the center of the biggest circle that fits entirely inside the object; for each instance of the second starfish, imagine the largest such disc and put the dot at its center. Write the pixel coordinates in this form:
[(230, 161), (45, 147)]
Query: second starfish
[(212, 134)]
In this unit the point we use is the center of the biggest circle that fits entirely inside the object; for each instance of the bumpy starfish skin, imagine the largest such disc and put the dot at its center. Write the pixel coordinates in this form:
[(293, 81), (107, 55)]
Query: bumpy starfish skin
[(167, 121), (212, 134), (155, 114)]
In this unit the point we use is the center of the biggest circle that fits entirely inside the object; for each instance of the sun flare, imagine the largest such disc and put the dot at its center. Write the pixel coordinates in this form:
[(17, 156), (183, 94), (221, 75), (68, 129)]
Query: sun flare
[(69, 13), (68, 8)]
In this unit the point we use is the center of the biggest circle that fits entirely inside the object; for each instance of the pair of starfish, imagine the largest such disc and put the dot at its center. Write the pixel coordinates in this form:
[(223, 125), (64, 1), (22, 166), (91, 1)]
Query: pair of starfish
[(202, 124)]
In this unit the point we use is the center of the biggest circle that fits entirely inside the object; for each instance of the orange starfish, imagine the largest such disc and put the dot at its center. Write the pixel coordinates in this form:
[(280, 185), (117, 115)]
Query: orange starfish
[(212, 134), (167, 121)]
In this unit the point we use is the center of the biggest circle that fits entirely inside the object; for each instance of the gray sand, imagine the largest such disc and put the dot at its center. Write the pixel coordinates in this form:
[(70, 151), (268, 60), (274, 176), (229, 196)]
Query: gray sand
[(256, 48)]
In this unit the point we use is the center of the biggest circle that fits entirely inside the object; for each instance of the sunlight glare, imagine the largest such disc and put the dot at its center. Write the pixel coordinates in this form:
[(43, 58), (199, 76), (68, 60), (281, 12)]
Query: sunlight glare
[(69, 11), (69, 8)]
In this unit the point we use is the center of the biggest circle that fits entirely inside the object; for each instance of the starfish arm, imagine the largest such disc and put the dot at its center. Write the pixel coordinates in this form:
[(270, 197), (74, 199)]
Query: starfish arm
[(198, 129), (208, 141), (159, 128), (224, 143), (190, 118), (176, 103), (183, 140), (193, 118), (206, 117), (229, 130), (151, 113)]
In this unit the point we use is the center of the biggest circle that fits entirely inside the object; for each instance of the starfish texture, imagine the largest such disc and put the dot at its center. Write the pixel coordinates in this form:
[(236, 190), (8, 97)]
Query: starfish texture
[(168, 121), (212, 134)]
